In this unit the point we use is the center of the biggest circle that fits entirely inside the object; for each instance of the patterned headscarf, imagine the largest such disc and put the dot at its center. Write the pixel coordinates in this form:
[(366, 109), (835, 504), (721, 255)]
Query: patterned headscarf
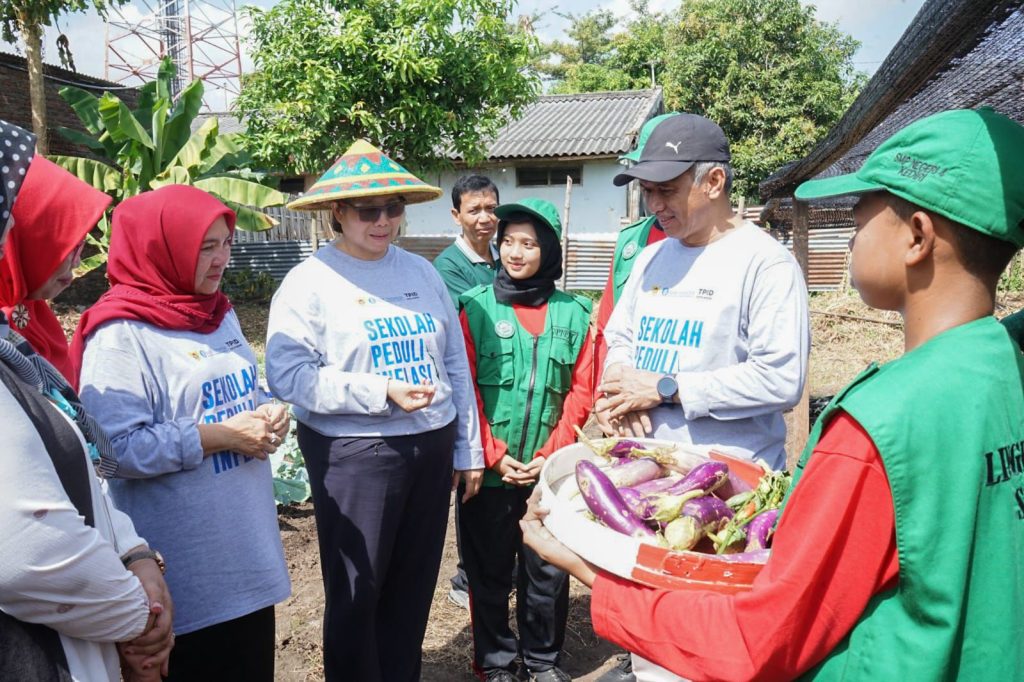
[(17, 149)]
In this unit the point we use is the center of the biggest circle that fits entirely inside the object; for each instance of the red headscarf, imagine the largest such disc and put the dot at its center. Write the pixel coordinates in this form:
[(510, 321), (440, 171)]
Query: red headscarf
[(53, 212), (154, 249)]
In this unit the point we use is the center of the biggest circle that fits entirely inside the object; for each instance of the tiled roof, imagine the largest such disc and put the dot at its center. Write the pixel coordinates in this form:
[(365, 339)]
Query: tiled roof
[(588, 124), (226, 123)]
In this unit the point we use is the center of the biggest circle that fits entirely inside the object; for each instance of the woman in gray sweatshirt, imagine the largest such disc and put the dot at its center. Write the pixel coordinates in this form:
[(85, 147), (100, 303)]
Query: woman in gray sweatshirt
[(364, 341), (169, 375)]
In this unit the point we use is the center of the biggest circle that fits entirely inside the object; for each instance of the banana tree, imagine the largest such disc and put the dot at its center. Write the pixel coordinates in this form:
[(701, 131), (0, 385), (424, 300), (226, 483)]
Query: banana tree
[(153, 145)]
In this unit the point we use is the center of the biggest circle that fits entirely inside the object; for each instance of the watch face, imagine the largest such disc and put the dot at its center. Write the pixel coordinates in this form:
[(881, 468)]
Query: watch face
[(667, 388)]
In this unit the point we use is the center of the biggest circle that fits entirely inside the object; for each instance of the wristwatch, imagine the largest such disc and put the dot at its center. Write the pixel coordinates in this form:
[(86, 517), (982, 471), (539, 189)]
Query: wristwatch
[(147, 553), (667, 388)]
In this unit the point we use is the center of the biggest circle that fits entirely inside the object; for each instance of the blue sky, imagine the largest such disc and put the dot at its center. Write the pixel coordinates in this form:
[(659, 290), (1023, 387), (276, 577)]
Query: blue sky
[(877, 24)]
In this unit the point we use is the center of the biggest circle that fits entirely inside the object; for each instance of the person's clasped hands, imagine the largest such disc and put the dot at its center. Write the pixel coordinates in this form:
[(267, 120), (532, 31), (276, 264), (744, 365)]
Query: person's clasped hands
[(626, 395), (145, 657), (518, 473)]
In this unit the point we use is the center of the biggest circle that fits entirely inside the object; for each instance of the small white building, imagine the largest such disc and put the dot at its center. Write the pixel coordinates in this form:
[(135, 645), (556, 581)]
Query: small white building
[(579, 136)]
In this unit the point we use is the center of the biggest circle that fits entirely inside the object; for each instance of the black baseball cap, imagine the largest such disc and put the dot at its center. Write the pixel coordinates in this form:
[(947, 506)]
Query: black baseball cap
[(674, 146)]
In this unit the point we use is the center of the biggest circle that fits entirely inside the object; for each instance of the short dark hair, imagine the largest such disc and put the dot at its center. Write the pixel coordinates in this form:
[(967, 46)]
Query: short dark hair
[(983, 255), (472, 183)]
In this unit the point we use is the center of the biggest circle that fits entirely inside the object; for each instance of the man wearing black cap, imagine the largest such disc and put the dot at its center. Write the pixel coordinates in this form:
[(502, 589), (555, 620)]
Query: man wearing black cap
[(708, 343)]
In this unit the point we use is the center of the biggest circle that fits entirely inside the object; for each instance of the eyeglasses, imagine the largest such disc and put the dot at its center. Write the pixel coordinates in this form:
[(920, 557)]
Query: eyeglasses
[(371, 214)]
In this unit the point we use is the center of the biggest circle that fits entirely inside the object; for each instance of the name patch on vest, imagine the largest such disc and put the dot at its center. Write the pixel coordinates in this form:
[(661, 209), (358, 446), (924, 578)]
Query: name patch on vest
[(563, 333), (1004, 464)]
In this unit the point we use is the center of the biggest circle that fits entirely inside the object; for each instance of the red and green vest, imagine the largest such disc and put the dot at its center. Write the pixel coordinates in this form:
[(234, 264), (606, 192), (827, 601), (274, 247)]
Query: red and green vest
[(523, 379), (632, 240), (948, 421)]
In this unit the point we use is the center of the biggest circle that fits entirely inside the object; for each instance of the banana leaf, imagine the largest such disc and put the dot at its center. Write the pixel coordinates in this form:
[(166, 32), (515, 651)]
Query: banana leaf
[(86, 105), (80, 138), (179, 123), (242, 191), (176, 175), (191, 155), (250, 219), (120, 122), (98, 174)]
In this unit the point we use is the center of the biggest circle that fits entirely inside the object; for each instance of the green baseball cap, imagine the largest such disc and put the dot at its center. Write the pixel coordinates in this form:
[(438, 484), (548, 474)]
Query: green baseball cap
[(541, 209), (963, 164), (641, 139)]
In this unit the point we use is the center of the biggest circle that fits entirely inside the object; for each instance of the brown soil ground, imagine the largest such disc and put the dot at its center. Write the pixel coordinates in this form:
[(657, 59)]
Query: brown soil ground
[(846, 336)]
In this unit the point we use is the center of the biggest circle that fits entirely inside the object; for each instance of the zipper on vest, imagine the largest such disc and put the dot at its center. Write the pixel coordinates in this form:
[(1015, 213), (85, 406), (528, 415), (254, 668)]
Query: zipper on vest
[(529, 395)]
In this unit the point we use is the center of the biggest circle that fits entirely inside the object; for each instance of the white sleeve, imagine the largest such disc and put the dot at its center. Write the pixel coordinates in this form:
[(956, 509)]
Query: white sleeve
[(469, 453), (618, 333), (54, 569), (295, 367), (772, 377)]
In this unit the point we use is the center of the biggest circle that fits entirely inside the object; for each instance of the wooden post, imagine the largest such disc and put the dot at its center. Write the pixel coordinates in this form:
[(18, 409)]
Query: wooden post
[(565, 231), (314, 230), (801, 413)]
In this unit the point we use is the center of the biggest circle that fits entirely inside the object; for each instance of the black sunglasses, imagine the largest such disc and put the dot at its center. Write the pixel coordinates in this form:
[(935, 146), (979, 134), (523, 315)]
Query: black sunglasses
[(371, 214)]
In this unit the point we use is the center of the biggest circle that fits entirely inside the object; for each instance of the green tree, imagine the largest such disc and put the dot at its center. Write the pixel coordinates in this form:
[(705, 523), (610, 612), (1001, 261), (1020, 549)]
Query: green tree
[(27, 18), (768, 71), (416, 77), (154, 146), (596, 57), (774, 77)]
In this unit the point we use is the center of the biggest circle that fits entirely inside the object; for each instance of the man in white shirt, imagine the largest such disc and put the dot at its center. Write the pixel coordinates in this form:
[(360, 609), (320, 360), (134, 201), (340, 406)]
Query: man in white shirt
[(708, 343)]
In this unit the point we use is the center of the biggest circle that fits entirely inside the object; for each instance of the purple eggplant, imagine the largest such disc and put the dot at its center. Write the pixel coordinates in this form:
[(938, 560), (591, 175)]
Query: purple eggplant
[(706, 476), (759, 530), (699, 517), (655, 485), (702, 479), (606, 503), (635, 471), (624, 448), (637, 502)]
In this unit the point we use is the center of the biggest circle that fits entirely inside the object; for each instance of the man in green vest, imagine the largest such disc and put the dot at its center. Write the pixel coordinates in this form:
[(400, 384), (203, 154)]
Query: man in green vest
[(631, 240), (472, 259), (898, 555)]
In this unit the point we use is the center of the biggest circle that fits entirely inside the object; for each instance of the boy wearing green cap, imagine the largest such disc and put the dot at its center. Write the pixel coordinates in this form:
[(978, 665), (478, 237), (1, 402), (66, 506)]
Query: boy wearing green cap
[(898, 553), (531, 356)]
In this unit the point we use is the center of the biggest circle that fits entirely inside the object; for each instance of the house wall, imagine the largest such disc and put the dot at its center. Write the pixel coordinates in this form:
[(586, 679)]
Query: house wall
[(16, 108), (597, 205)]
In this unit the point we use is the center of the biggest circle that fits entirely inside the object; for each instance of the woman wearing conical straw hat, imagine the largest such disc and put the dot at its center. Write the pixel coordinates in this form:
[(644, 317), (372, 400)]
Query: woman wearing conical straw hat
[(364, 341)]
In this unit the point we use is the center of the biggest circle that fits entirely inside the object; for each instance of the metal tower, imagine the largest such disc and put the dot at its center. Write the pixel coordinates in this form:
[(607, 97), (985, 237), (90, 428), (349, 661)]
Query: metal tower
[(201, 36)]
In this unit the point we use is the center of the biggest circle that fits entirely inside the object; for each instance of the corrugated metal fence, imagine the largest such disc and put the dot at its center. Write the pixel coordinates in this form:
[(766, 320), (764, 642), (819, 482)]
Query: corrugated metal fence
[(588, 260)]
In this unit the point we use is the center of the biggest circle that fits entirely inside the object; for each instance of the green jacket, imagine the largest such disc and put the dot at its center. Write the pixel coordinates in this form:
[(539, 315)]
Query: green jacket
[(1015, 325), (524, 379), (632, 240), (461, 274), (948, 421)]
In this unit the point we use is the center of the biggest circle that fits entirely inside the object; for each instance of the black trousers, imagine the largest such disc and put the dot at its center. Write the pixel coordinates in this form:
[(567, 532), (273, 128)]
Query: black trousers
[(381, 506), (491, 541), (241, 649)]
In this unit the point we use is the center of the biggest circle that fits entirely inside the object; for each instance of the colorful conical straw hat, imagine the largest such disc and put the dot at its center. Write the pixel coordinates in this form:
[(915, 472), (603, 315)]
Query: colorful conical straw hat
[(364, 171)]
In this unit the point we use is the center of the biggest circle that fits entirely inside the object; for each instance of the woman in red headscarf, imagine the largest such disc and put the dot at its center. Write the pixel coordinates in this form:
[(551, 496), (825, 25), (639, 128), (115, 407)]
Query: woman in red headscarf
[(167, 372), (53, 213)]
